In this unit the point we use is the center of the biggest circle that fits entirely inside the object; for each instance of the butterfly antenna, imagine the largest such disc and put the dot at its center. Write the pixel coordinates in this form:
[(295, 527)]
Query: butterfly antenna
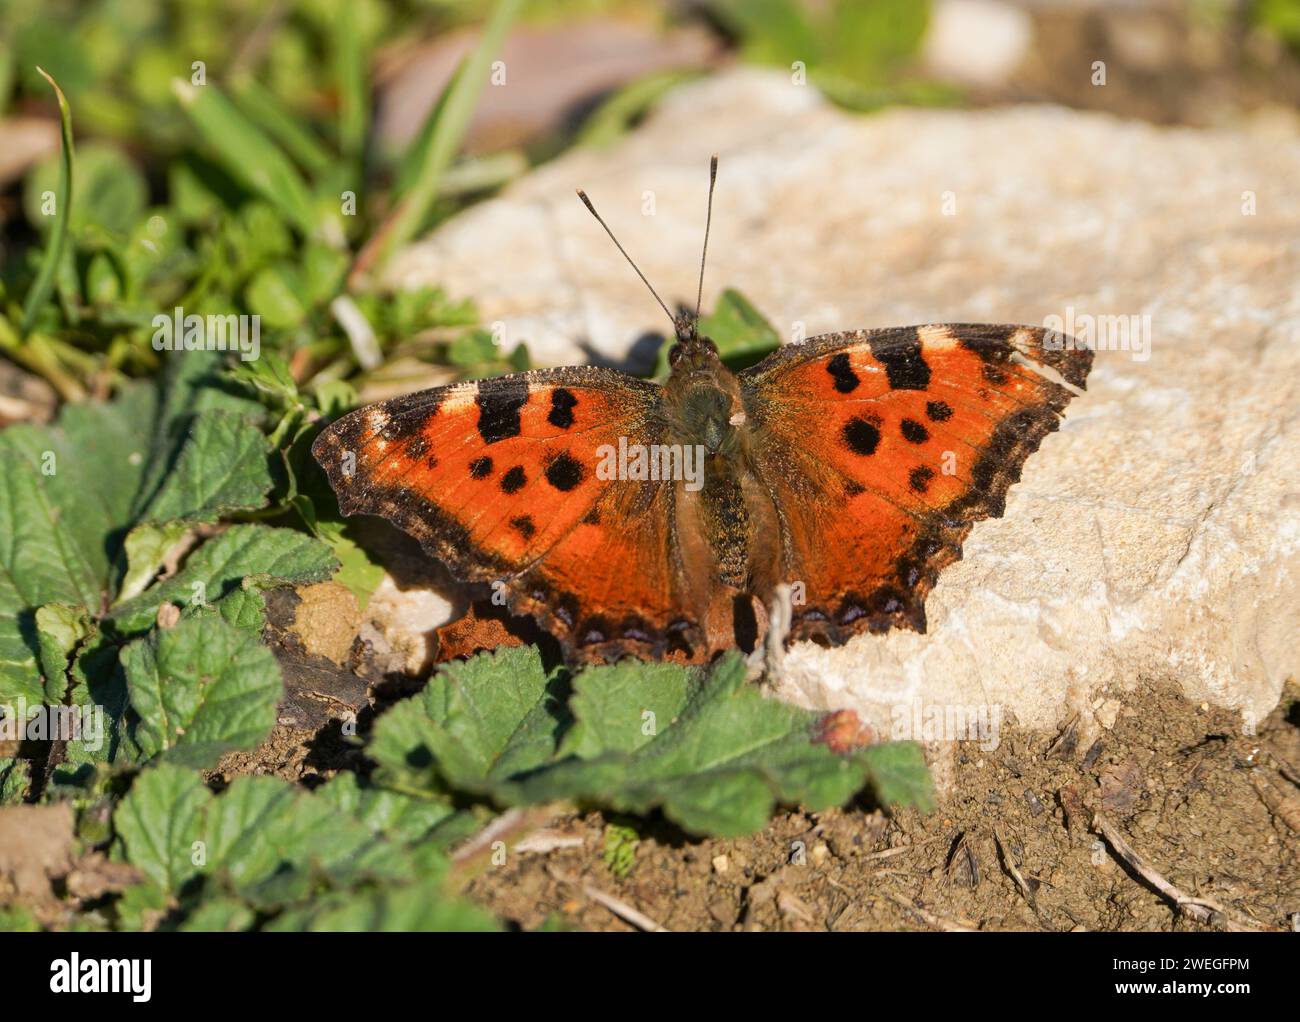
[(587, 202), (708, 220)]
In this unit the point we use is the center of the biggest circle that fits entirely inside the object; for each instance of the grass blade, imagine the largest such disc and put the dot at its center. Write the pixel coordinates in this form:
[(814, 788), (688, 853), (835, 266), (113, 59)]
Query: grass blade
[(453, 117), (265, 110), (44, 283), (247, 154), (350, 69)]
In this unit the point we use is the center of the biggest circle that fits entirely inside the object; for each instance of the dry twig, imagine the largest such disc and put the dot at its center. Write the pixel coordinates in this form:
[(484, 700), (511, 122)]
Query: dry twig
[(1203, 910)]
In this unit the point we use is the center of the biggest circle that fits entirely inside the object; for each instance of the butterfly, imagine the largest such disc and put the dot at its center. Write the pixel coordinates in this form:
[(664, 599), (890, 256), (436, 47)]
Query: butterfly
[(626, 517)]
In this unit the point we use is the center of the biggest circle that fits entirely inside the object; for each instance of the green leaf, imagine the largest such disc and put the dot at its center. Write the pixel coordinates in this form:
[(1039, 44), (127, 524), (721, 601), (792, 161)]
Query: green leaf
[(201, 689), (620, 848), (111, 192), (221, 467), (60, 628), (899, 774), (15, 780), (261, 106), (708, 749), (740, 331), (146, 548), (220, 915), (490, 717), (214, 572), (40, 289), (67, 490), (271, 296), (158, 823), (350, 46), (263, 846)]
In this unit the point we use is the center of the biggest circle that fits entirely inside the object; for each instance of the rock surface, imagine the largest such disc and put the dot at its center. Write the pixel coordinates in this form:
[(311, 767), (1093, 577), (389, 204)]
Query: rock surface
[(1154, 537)]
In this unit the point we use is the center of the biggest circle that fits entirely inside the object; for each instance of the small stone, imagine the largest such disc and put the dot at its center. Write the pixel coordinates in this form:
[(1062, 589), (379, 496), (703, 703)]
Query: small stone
[(721, 864), (1108, 712)]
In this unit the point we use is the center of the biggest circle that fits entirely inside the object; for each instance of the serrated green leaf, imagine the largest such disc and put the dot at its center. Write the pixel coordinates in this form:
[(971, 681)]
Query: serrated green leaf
[(213, 573), (222, 466), (146, 548), (391, 813), (185, 450), (158, 823), (15, 780), (707, 749), (899, 774), (490, 717), (623, 707), (60, 627), (201, 689), (263, 845)]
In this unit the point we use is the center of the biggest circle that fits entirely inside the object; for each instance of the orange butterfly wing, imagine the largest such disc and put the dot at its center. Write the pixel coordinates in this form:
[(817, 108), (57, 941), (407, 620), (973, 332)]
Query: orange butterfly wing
[(881, 448), (499, 479)]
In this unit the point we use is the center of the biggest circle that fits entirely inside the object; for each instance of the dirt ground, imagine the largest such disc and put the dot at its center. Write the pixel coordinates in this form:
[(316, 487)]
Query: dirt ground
[(1199, 802), (1177, 780)]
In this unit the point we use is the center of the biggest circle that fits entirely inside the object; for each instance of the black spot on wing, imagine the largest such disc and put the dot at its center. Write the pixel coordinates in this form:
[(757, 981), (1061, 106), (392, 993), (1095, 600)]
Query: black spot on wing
[(901, 357), (913, 432), (498, 403), (564, 472), (920, 477), (562, 404), (480, 468), (861, 436), (513, 481), (524, 526), (939, 411), (846, 380)]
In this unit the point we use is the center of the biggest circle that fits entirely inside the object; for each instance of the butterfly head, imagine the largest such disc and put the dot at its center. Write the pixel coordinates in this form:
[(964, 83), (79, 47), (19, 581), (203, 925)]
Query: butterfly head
[(699, 351)]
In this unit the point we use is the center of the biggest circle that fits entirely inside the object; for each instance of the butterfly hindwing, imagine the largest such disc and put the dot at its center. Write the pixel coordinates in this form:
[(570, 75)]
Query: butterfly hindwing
[(917, 433)]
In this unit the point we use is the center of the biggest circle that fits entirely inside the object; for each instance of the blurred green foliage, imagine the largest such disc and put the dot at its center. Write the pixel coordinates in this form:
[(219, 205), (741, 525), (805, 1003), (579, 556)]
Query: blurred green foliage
[(227, 172), (1281, 18), (855, 51)]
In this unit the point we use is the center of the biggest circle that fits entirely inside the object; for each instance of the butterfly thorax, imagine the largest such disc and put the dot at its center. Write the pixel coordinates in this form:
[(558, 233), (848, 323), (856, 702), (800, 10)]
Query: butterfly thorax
[(702, 399), (704, 412)]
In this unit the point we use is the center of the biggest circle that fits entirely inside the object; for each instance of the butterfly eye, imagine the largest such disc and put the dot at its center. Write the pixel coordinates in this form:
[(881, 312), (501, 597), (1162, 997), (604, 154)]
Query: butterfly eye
[(674, 353)]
